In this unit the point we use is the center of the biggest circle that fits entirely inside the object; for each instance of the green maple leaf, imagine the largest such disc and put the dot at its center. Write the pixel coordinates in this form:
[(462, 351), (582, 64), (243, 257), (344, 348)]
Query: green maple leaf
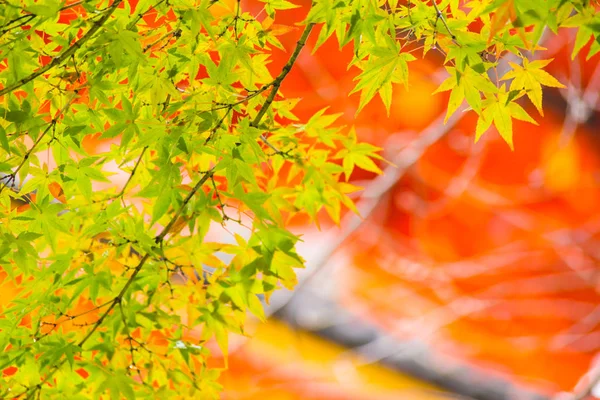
[(358, 154), (468, 85), (386, 65), (501, 110), (587, 22), (326, 11), (530, 77)]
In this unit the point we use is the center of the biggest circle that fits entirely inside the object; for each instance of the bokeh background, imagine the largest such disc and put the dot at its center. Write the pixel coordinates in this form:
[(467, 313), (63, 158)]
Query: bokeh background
[(474, 271)]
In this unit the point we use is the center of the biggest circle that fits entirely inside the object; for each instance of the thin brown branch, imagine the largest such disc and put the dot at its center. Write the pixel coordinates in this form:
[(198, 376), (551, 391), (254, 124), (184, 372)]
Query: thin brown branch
[(30, 17), (132, 350), (214, 130), (277, 84), (176, 33), (274, 85), (279, 80), (222, 106), (26, 19), (441, 17), (141, 15), (207, 175), (133, 171)]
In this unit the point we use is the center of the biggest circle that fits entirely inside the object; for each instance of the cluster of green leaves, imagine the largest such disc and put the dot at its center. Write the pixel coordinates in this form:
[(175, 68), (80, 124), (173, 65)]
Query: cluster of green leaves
[(476, 38), (195, 119), (181, 91)]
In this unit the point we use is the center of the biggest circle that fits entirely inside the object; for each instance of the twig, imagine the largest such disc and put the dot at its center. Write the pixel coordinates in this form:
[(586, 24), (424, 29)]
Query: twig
[(274, 85), (176, 33), (277, 83), (222, 106), (26, 17), (31, 16), (68, 317), (214, 130), (233, 22), (440, 16), (141, 15), (266, 141), (207, 175), (130, 339), (221, 204), (133, 171), (286, 69)]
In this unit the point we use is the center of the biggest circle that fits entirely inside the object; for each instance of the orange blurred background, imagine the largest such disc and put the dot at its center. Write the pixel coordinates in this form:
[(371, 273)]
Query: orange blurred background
[(487, 256)]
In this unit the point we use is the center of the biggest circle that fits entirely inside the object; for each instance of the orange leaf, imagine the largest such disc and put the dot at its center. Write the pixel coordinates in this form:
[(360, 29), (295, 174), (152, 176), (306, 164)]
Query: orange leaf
[(504, 13), (278, 29), (267, 22), (23, 204), (179, 224), (57, 192)]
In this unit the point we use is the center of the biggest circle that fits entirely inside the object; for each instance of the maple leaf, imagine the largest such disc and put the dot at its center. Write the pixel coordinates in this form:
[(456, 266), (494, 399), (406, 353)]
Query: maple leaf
[(530, 77), (588, 27), (358, 154), (386, 66), (501, 110), (506, 12), (466, 85)]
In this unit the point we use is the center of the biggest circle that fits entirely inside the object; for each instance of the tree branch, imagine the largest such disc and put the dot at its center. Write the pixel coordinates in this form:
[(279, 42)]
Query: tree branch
[(30, 17), (279, 80), (274, 85), (439, 15), (133, 171)]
